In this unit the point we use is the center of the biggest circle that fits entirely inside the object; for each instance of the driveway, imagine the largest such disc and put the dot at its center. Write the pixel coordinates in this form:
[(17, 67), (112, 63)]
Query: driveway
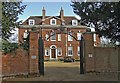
[(60, 71)]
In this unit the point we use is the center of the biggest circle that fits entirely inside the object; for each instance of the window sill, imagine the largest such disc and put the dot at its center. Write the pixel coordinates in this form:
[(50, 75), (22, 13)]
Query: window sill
[(69, 41), (59, 55), (70, 55), (47, 55), (52, 40)]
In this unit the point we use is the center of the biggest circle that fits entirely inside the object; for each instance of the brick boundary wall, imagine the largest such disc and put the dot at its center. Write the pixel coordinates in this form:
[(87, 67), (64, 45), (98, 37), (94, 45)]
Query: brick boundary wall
[(106, 59), (15, 63), (0, 66), (100, 59), (119, 63)]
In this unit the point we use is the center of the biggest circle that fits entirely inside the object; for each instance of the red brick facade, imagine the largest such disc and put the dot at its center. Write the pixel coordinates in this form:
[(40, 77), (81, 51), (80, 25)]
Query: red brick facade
[(58, 48)]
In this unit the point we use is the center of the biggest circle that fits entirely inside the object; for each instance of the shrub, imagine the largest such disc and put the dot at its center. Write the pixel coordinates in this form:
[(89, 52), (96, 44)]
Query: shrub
[(68, 59), (8, 47)]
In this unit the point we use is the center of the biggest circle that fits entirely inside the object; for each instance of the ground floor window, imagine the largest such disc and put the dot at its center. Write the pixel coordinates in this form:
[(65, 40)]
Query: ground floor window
[(59, 51), (70, 51), (47, 52)]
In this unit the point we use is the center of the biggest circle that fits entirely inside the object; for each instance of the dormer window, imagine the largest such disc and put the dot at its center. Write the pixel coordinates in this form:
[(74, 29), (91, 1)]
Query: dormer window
[(31, 22), (74, 22), (53, 21)]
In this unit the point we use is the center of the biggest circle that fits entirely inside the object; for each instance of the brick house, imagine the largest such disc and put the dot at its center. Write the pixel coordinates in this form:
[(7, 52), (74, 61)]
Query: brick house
[(58, 45)]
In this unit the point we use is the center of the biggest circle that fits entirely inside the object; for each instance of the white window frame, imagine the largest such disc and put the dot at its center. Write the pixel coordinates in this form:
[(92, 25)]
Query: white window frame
[(46, 36), (78, 50), (95, 44), (74, 22), (94, 37), (51, 21), (59, 37), (47, 49), (59, 50), (31, 20), (70, 38), (25, 34), (70, 47), (52, 36), (79, 35)]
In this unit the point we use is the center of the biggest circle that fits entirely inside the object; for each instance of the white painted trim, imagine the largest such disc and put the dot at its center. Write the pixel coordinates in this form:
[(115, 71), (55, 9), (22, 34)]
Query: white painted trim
[(46, 36), (60, 50), (79, 35), (52, 26), (78, 49), (66, 45), (74, 21), (72, 51), (70, 55), (53, 40), (59, 37), (70, 38), (51, 52), (94, 37), (53, 36), (32, 21), (46, 51), (52, 46), (52, 20), (52, 17)]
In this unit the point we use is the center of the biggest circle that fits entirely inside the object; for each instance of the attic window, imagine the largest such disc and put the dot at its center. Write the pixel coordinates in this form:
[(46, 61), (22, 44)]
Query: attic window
[(74, 22), (53, 21), (31, 22)]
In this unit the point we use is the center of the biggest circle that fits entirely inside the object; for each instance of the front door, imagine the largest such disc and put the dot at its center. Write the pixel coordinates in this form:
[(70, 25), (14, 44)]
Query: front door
[(53, 53)]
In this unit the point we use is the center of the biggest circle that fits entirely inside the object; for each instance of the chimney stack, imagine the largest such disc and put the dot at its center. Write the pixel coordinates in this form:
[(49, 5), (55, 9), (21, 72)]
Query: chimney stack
[(62, 14), (43, 13)]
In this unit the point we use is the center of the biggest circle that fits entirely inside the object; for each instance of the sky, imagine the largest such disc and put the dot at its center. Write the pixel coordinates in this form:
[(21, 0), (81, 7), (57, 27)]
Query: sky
[(52, 9), (47, 0)]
